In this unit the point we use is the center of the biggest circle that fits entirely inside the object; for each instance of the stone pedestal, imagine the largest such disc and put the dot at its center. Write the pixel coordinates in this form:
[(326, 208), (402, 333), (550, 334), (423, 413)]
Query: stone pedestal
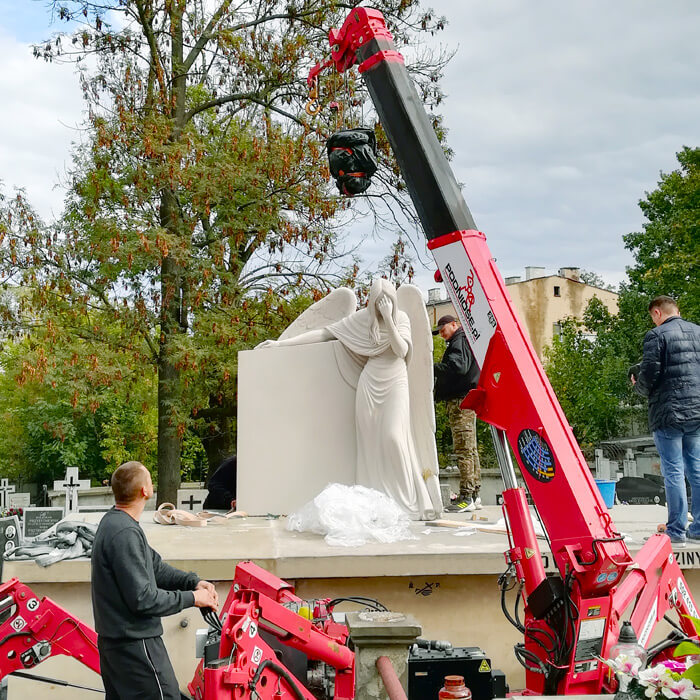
[(376, 634)]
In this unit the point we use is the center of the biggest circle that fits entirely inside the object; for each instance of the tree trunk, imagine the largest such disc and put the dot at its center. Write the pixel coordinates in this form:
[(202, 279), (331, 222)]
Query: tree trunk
[(172, 314), (168, 439)]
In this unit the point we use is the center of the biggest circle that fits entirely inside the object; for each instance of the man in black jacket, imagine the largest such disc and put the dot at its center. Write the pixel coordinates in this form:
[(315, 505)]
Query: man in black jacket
[(455, 375), (669, 375), (222, 486), (132, 587)]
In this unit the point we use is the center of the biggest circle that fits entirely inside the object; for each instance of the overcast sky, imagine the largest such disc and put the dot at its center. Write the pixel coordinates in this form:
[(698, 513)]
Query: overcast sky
[(561, 115)]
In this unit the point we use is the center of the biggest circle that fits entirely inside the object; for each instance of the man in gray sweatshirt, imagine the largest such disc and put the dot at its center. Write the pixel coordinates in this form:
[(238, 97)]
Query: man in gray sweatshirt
[(132, 587)]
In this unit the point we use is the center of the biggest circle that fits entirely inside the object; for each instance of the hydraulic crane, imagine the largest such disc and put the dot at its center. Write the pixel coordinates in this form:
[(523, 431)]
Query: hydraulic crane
[(575, 616)]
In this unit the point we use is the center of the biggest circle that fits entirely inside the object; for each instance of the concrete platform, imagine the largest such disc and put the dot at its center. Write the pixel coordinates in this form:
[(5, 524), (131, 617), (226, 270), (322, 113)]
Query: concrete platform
[(445, 579)]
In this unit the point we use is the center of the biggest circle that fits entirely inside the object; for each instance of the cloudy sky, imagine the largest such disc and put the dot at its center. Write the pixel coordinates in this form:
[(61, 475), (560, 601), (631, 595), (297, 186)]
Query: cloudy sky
[(561, 115)]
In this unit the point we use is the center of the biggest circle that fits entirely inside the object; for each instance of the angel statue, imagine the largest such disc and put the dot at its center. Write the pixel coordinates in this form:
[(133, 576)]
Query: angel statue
[(389, 364)]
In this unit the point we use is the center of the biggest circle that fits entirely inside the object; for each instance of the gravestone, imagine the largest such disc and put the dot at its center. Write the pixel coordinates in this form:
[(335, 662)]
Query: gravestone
[(9, 533), (191, 499), (39, 520), (445, 492), (5, 490), (19, 500), (71, 485), (95, 508)]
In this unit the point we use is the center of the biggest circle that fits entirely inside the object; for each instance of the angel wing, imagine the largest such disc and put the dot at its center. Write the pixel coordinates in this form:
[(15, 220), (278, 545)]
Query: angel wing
[(338, 304), (420, 383)]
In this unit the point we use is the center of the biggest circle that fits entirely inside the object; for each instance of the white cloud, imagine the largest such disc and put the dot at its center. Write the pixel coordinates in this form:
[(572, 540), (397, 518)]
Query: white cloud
[(42, 107), (561, 115)]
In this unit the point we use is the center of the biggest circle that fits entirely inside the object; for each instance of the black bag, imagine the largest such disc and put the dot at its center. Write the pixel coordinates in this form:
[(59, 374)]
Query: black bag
[(352, 158)]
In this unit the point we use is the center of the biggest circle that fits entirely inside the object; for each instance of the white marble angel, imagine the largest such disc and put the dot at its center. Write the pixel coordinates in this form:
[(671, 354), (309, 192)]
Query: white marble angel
[(389, 364)]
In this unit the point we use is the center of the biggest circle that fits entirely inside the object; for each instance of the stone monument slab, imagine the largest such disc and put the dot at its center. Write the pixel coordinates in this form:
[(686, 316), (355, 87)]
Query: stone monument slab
[(19, 500), (296, 427)]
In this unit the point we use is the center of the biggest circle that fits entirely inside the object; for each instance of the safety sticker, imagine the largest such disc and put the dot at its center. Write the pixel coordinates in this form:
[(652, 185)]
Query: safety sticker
[(256, 655), (246, 624), (529, 553), (32, 604), (467, 296), (686, 598), (648, 625), (484, 667), (536, 456), (253, 629), (18, 623)]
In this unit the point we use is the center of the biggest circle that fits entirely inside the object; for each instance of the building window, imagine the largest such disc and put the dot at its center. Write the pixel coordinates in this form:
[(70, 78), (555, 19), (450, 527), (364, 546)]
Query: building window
[(556, 330), (557, 291)]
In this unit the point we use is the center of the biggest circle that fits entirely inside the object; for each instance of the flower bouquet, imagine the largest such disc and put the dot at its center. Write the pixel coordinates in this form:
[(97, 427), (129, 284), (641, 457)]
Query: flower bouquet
[(672, 678)]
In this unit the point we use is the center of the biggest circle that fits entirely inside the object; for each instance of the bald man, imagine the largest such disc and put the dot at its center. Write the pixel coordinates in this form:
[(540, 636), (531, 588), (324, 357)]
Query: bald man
[(132, 588)]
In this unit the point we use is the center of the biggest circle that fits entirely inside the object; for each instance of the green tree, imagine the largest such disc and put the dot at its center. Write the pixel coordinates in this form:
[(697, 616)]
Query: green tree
[(46, 431), (667, 250), (587, 366), (198, 206)]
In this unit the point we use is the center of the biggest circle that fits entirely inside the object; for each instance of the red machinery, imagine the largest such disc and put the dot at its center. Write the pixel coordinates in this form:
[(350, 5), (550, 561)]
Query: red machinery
[(262, 618), (32, 629), (575, 616), (244, 657)]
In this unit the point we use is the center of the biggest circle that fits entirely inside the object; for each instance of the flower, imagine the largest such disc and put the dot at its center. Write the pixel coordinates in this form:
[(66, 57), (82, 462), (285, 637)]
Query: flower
[(683, 688), (625, 665)]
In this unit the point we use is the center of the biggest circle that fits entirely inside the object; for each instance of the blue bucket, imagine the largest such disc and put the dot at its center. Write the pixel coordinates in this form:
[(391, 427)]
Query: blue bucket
[(607, 491)]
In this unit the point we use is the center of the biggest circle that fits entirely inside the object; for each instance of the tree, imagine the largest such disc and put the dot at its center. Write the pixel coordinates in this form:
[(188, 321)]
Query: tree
[(595, 280), (587, 366), (198, 206), (667, 250)]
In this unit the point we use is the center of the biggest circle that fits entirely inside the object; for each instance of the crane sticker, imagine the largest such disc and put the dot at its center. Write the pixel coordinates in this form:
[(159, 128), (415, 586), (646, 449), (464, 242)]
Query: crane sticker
[(536, 455), (467, 296)]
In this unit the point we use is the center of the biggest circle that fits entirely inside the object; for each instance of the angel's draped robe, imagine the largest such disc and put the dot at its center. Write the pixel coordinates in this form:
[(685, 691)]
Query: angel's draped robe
[(386, 454)]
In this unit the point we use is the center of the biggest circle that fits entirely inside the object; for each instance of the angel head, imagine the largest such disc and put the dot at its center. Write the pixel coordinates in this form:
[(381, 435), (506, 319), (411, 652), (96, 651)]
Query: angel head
[(380, 289)]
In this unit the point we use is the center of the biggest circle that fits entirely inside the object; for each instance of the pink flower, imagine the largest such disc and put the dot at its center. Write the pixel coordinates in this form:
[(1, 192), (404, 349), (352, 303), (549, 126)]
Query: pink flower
[(683, 688)]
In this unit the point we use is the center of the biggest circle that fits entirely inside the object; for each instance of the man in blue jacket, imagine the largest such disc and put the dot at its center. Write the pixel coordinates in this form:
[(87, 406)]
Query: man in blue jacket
[(669, 375), (132, 587)]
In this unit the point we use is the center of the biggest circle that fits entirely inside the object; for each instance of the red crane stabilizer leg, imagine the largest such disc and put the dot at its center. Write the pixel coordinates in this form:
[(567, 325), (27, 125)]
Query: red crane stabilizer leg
[(32, 629)]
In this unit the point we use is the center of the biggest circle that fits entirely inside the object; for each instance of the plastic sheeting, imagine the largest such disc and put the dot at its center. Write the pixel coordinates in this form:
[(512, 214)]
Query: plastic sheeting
[(349, 516)]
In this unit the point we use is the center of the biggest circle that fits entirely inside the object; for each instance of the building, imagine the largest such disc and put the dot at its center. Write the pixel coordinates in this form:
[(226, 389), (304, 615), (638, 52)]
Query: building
[(542, 301)]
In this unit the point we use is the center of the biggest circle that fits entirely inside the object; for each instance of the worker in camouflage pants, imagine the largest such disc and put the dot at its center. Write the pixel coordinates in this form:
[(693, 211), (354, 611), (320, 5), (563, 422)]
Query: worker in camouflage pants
[(463, 427), (455, 375)]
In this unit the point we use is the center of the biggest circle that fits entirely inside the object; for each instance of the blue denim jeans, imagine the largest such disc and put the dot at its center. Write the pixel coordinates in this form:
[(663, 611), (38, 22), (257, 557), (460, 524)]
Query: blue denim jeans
[(680, 459)]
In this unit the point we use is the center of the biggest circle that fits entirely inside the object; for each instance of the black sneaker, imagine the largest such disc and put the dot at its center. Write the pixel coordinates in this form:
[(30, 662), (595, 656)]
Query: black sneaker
[(692, 539)]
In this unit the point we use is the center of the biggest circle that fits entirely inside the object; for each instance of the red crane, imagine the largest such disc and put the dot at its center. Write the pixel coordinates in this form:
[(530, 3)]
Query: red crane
[(575, 616)]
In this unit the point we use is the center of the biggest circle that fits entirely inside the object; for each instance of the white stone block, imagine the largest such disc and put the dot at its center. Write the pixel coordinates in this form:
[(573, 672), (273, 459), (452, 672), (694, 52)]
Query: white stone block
[(296, 427)]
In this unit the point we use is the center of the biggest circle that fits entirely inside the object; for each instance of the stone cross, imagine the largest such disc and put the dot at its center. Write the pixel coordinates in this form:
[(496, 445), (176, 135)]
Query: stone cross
[(5, 490), (71, 485)]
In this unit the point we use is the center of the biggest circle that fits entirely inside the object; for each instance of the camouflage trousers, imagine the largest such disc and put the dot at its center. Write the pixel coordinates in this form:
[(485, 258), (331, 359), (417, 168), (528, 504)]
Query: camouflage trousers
[(463, 426)]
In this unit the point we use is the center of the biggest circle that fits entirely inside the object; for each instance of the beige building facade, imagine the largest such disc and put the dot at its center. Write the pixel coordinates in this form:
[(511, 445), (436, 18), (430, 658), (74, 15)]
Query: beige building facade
[(541, 300)]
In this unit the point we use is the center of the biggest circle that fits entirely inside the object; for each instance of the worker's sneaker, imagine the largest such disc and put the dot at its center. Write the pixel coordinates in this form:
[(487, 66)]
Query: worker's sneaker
[(475, 504), (692, 539), (459, 506)]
